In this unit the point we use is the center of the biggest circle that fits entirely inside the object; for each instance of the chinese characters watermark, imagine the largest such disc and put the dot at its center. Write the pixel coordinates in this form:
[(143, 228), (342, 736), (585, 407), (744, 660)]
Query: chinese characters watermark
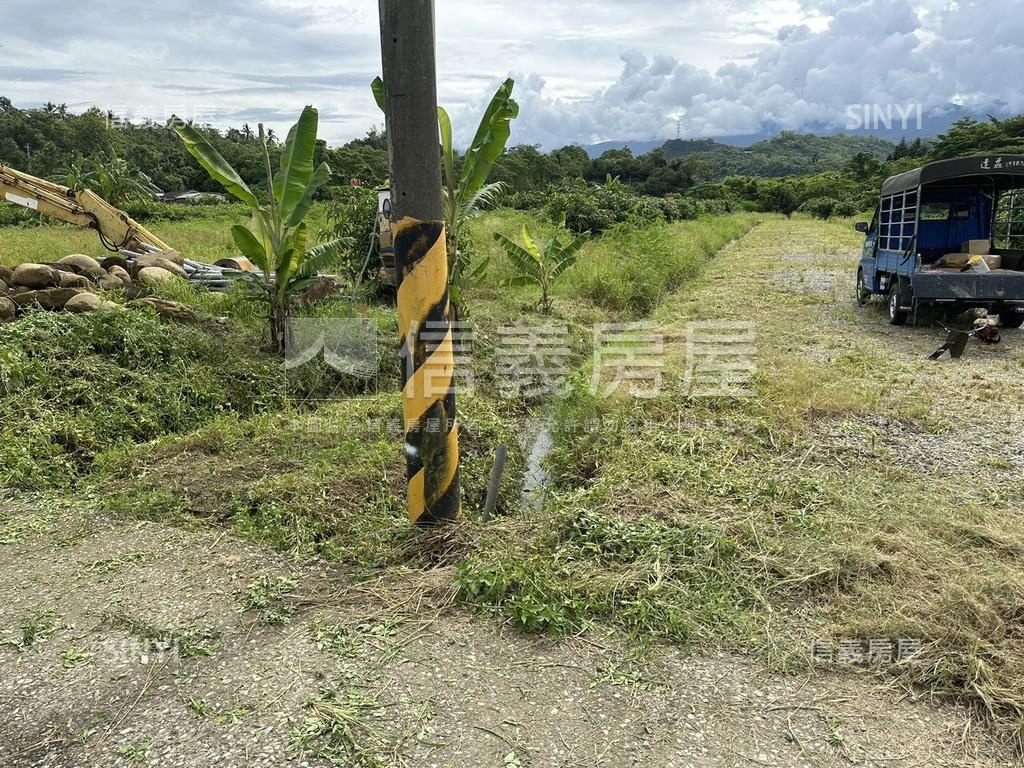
[(720, 359), (865, 652), (633, 353), (532, 361)]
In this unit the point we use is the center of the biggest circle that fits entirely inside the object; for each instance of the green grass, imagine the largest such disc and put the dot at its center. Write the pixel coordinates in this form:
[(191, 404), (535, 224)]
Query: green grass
[(205, 239), (75, 386), (716, 523), (327, 483), (204, 236)]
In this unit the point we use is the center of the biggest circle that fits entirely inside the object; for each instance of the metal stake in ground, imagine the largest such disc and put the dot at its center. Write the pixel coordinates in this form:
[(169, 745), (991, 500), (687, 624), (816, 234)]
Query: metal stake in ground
[(424, 310)]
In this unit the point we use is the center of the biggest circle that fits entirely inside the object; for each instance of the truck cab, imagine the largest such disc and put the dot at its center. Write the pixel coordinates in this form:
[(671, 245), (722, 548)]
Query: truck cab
[(949, 233)]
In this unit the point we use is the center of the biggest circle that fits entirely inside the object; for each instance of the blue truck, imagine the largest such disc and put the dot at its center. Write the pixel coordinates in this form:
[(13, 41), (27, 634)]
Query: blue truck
[(949, 234)]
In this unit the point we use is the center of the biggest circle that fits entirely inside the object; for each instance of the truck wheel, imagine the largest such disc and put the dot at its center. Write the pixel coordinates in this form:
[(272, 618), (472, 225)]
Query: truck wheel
[(1011, 319), (863, 294), (897, 316)]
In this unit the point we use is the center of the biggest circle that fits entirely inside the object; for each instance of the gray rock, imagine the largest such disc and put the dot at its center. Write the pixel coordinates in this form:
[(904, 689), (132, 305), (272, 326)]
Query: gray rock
[(172, 310), (156, 260), (49, 298), (111, 261), (172, 256), (84, 265), (88, 302), (111, 282), (8, 309), (72, 280), (35, 276), (83, 302), (153, 276), (121, 274)]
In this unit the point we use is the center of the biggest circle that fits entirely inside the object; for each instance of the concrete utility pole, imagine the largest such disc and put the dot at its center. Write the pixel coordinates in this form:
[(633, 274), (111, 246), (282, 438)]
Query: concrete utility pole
[(424, 310)]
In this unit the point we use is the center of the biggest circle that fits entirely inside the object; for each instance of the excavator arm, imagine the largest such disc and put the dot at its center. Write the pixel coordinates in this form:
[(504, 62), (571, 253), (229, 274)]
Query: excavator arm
[(117, 230), (83, 208)]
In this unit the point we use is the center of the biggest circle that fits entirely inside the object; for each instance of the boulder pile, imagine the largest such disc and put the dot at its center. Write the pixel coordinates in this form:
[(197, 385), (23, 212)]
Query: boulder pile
[(74, 283)]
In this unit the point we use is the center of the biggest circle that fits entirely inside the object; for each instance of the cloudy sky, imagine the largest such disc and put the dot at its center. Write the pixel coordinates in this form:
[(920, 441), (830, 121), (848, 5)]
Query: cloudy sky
[(586, 71)]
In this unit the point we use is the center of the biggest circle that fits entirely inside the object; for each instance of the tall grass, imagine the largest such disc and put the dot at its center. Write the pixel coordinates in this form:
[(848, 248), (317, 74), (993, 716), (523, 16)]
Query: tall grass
[(629, 271), (625, 273), (75, 386)]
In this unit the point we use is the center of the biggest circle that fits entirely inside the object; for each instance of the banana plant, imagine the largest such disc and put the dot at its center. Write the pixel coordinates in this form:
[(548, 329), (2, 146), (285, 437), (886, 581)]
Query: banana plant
[(277, 240), (465, 188), (540, 267)]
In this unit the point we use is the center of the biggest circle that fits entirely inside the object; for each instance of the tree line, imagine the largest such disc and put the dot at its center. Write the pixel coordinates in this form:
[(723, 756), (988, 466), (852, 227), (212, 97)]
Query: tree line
[(834, 174)]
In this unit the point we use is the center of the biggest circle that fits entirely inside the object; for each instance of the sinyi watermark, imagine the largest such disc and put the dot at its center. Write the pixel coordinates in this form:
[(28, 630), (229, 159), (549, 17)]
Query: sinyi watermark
[(142, 650), (875, 117)]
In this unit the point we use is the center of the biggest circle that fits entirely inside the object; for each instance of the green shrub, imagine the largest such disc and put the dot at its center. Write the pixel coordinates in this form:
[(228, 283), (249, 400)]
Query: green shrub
[(150, 210), (646, 210), (714, 207), (678, 208), (581, 205), (820, 207), (588, 208), (15, 215), (353, 216), (529, 200), (846, 208)]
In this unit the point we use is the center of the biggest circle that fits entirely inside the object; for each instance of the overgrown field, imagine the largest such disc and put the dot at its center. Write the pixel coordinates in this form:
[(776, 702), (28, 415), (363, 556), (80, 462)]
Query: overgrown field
[(761, 523)]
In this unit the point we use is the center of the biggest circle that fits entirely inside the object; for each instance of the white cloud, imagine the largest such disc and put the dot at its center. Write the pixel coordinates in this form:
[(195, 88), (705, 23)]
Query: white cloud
[(884, 52), (587, 71)]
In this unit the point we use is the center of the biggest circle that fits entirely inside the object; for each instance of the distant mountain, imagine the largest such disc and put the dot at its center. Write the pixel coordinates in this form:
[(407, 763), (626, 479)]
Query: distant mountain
[(643, 146), (865, 121), (788, 154), (637, 147)]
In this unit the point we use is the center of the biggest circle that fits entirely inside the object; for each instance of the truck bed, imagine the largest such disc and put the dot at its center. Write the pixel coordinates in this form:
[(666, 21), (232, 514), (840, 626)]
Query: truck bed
[(954, 285)]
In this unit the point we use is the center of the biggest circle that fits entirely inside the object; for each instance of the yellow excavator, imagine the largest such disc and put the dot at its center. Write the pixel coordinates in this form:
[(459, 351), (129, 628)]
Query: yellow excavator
[(117, 230)]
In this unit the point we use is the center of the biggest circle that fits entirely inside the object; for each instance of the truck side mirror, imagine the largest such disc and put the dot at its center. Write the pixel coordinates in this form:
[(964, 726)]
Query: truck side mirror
[(862, 226)]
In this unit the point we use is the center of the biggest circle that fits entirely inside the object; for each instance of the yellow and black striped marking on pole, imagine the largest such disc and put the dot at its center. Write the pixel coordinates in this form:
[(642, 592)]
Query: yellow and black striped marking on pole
[(424, 314)]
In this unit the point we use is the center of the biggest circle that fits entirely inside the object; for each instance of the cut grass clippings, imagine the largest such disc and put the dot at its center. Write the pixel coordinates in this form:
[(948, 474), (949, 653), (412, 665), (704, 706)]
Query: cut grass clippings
[(726, 523)]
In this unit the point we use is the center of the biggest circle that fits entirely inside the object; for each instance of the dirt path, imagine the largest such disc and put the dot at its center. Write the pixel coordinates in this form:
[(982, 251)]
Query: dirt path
[(141, 655), (939, 416), (137, 643)]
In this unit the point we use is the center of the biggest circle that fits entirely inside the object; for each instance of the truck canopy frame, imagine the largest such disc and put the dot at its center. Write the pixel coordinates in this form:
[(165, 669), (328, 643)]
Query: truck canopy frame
[(1002, 171)]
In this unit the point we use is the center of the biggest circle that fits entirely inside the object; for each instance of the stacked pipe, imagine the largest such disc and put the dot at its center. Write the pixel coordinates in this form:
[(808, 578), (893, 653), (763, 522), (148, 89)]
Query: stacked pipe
[(214, 277)]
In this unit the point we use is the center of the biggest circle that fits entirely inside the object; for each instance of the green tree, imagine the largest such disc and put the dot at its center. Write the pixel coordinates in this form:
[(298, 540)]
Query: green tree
[(572, 162), (862, 166), (467, 190), (277, 239), (113, 179)]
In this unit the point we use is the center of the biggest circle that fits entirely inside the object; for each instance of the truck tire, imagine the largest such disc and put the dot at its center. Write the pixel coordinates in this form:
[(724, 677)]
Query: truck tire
[(1011, 319), (863, 294), (897, 316)]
